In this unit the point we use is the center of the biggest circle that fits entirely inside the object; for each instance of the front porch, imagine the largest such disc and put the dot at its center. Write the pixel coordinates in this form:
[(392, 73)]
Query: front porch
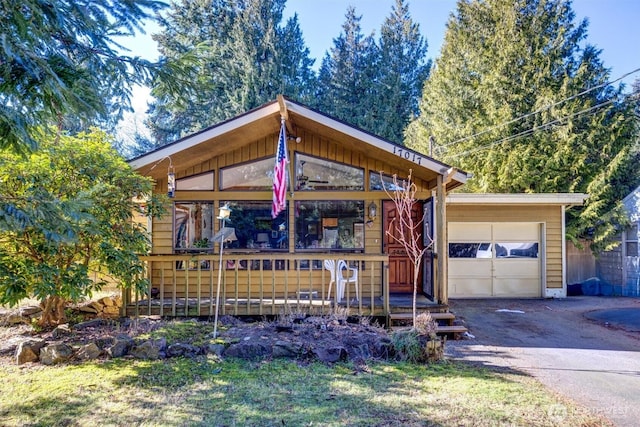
[(267, 285)]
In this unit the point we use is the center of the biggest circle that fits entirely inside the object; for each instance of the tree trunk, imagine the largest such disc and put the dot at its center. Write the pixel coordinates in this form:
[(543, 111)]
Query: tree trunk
[(53, 311)]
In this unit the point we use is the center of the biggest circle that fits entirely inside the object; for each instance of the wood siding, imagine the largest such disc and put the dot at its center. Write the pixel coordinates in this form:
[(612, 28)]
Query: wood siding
[(249, 282)]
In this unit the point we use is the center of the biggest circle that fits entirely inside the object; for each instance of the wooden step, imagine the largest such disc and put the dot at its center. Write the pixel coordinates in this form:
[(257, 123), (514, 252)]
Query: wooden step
[(451, 329), (434, 316)]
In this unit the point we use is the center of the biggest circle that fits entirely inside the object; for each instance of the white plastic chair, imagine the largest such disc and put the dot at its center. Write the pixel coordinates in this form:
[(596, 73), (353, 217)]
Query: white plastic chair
[(339, 279), (351, 277)]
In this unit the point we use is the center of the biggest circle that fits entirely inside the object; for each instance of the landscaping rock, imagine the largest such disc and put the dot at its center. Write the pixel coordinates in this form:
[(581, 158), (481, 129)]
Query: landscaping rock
[(217, 349), (89, 351), (55, 353), (93, 323), (28, 351), (331, 354), (121, 346), (287, 349), (61, 331), (150, 350), (29, 310), (248, 350), (183, 350), (15, 319)]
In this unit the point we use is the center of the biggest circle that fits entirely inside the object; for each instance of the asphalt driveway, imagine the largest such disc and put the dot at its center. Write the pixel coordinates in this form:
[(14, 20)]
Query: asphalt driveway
[(586, 348)]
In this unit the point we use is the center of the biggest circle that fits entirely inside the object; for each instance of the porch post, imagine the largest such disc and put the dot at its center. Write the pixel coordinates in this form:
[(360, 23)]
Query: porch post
[(442, 292)]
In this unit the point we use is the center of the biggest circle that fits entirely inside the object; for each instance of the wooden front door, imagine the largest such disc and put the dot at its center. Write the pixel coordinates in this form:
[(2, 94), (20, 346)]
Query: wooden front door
[(400, 266)]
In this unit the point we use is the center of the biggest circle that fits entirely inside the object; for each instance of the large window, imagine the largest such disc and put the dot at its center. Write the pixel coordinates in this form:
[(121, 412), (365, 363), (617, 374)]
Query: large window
[(193, 226), (330, 225), (315, 174), (254, 176), (255, 229)]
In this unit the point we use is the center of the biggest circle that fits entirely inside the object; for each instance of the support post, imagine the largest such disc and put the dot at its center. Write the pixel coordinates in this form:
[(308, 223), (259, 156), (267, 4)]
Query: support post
[(442, 291)]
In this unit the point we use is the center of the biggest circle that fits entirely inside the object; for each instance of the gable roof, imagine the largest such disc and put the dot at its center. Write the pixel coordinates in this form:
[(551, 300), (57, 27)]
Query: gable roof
[(632, 204), (265, 120)]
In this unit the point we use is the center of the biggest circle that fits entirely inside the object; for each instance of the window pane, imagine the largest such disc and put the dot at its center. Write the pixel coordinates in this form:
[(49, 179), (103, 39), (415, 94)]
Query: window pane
[(632, 232), (313, 173), (248, 176), (470, 250), (255, 229), (517, 250), (632, 248), (193, 226), (376, 182), (200, 182), (330, 224)]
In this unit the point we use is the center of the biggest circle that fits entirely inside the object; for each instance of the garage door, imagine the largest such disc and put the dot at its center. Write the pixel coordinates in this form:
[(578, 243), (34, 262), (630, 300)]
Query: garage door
[(494, 260)]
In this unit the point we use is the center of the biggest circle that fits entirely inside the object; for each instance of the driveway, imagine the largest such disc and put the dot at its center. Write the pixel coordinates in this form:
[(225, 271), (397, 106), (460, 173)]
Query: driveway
[(586, 348)]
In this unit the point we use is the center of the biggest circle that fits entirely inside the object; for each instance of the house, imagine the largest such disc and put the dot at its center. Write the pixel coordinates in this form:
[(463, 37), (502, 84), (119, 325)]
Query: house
[(335, 209)]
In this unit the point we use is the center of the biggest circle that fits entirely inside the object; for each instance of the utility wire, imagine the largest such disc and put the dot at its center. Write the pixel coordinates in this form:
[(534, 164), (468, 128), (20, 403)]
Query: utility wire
[(539, 110), (538, 127)]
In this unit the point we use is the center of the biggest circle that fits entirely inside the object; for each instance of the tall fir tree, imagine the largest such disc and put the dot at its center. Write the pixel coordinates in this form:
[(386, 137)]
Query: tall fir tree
[(60, 65), (403, 71), (242, 59), (519, 99), (348, 75)]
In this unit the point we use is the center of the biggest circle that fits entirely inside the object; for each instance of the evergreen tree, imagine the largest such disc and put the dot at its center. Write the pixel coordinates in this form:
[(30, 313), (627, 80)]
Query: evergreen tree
[(349, 74), (242, 58), (518, 99), (59, 64), (403, 70)]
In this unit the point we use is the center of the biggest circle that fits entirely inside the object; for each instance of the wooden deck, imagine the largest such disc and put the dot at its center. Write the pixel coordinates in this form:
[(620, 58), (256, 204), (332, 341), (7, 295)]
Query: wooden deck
[(248, 288)]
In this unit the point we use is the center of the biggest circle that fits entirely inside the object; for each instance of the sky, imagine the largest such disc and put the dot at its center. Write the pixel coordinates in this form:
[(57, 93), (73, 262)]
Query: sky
[(614, 27)]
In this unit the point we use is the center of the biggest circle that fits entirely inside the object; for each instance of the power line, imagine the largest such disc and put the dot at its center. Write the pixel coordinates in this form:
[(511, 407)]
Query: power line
[(538, 127), (539, 110)]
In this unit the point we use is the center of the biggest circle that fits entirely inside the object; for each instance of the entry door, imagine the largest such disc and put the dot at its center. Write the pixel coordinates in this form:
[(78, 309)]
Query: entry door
[(400, 266)]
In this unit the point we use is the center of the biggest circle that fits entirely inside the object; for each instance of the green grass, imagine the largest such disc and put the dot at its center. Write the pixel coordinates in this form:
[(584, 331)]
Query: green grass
[(180, 392)]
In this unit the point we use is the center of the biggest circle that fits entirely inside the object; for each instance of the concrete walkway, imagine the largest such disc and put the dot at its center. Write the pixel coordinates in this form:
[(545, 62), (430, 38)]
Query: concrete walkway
[(586, 348)]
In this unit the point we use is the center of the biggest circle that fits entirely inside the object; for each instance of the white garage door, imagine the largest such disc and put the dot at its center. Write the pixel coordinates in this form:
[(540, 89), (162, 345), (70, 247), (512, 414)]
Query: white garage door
[(494, 260)]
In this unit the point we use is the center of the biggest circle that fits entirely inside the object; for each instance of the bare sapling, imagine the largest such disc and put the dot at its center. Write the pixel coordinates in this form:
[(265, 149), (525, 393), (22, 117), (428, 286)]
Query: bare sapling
[(405, 228)]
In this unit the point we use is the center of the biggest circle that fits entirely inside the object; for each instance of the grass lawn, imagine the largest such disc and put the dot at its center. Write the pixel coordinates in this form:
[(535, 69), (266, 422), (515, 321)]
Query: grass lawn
[(183, 392)]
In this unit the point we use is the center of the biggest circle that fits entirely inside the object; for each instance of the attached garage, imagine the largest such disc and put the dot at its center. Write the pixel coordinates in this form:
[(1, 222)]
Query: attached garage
[(507, 245), (496, 259)]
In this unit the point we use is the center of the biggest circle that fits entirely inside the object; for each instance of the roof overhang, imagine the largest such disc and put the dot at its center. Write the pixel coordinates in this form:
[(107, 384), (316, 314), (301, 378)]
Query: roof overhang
[(561, 199), (234, 133)]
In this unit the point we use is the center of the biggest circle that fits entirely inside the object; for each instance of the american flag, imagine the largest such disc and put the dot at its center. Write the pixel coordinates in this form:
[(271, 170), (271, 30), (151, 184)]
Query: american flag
[(280, 175)]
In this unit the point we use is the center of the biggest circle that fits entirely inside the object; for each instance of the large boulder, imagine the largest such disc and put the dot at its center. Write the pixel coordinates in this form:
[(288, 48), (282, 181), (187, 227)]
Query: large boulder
[(28, 351), (331, 354), (121, 346), (89, 351), (56, 353), (248, 350), (150, 349)]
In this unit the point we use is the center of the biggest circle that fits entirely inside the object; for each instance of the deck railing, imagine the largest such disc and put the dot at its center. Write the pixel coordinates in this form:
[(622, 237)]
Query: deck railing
[(257, 284)]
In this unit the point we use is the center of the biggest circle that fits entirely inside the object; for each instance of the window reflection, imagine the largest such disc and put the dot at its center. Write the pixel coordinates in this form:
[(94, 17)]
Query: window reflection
[(255, 176), (313, 173), (255, 229), (193, 225), (330, 224)]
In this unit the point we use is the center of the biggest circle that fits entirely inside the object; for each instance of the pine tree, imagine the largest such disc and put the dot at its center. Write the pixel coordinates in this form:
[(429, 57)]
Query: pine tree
[(403, 71), (348, 75), (60, 65), (518, 99), (242, 58)]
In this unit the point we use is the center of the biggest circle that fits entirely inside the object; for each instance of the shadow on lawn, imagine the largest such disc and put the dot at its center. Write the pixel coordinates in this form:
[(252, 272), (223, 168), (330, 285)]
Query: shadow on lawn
[(286, 393)]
